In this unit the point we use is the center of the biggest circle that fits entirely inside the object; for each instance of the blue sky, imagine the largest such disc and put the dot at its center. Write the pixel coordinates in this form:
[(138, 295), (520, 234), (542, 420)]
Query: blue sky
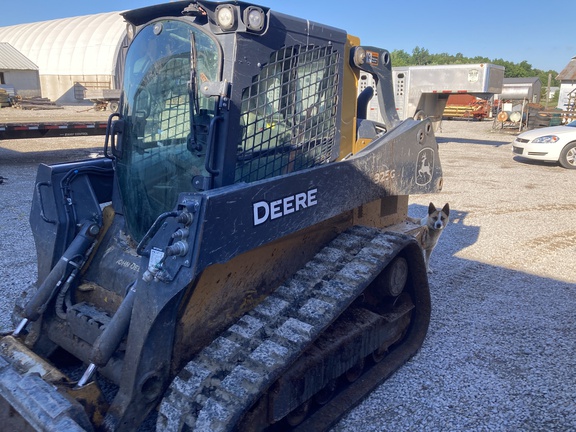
[(540, 32)]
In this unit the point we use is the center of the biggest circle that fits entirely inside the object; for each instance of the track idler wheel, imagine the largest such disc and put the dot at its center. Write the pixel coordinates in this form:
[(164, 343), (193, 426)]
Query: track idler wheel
[(324, 395), (379, 354), (299, 414), (392, 280), (355, 371)]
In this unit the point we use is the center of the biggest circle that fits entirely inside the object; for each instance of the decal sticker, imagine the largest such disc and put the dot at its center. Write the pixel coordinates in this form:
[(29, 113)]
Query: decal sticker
[(425, 166), (270, 210), (473, 75), (372, 58), (156, 256)]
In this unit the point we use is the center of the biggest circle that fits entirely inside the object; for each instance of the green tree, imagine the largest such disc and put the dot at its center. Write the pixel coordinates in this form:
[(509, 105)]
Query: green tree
[(401, 58), (421, 56), (479, 59)]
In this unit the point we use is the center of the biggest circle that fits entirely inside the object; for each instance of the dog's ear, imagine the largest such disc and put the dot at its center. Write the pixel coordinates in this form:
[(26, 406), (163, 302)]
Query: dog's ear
[(431, 208), (446, 209)]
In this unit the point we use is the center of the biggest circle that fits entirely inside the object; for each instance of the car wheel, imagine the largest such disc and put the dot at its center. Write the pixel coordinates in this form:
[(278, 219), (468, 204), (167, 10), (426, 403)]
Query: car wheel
[(568, 156)]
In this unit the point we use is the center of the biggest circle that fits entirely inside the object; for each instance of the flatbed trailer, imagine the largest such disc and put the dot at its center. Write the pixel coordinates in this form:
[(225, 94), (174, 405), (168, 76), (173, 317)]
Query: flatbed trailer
[(51, 129)]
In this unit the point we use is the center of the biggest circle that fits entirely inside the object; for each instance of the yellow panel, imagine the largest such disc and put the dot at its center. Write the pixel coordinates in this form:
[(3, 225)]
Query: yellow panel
[(383, 212), (349, 101)]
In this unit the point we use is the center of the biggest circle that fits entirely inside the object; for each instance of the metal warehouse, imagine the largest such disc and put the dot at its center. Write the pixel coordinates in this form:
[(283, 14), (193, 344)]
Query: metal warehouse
[(17, 71), (71, 54)]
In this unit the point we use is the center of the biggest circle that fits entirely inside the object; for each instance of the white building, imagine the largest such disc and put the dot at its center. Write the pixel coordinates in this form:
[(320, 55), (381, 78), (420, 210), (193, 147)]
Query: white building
[(521, 89), (71, 53), (18, 72), (567, 80)]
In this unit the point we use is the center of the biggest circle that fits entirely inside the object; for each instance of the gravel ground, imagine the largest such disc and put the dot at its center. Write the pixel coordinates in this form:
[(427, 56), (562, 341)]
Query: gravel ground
[(499, 355)]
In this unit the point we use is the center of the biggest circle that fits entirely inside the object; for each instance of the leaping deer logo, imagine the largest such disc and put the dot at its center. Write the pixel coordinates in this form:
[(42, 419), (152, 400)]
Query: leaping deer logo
[(425, 165)]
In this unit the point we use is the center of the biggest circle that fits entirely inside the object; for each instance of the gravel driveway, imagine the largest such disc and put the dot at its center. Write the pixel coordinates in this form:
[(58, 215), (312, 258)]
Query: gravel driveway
[(499, 355), (500, 352)]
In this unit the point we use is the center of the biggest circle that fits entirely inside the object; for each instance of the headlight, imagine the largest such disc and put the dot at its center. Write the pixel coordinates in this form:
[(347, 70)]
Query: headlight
[(130, 31), (254, 18), (226, 17), (546, 139)]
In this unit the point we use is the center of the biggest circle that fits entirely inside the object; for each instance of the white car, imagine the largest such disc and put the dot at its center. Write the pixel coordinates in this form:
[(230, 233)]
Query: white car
[(553, 144)]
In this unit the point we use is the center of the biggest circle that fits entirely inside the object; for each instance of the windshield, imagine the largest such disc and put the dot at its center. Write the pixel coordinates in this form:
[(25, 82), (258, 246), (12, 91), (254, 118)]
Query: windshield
[(572, 124), (165, 118)]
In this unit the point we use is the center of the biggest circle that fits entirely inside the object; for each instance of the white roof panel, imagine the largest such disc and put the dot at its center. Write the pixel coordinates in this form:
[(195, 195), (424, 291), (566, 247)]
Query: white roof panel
[(84, 45), (12, 59)]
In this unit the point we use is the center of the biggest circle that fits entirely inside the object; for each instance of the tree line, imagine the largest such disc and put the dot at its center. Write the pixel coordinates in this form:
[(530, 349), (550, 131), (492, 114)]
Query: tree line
[(421, 56)]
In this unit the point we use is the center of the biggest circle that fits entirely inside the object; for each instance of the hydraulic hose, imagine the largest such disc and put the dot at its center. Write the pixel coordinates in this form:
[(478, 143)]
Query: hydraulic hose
[(79, 246)]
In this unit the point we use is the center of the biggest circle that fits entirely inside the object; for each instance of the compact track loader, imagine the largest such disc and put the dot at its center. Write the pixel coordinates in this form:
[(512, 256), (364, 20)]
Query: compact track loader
[(240, 258)]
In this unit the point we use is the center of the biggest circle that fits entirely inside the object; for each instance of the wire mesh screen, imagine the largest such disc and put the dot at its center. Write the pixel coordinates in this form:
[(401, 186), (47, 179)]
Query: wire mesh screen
[(169, 113), (288, 113)]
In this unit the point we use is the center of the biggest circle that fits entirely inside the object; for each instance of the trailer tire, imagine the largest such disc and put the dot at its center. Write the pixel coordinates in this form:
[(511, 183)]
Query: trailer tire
[(113, 106)]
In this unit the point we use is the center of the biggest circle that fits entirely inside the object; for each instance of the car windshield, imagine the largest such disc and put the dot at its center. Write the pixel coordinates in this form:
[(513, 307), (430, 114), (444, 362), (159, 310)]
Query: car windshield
[(165, 118), (572, 124)]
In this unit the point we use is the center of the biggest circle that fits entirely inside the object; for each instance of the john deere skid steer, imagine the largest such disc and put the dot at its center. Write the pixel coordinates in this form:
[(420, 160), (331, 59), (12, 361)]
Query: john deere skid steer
[(240, 258)]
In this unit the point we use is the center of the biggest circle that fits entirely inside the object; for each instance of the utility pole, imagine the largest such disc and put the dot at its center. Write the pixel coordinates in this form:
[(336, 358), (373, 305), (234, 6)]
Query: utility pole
[(548, 89)]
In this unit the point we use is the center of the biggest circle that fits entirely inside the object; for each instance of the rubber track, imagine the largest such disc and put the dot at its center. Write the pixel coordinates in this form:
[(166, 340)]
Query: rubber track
[(39, 403), (226, 378)]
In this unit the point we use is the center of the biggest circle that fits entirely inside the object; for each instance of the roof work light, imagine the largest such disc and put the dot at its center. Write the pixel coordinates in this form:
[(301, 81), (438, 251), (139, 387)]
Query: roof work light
[(254, 18), (226, 17)]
